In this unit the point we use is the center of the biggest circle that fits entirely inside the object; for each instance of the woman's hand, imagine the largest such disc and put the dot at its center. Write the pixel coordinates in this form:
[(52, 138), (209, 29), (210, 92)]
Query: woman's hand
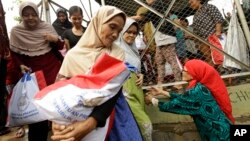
[(137, 17), (158, 91), (25, 69), (139, 81), (50, 37), (59, 130), (73, 132)]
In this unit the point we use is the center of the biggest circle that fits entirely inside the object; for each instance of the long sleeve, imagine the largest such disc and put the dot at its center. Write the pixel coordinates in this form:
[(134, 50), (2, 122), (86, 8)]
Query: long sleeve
[(198, 102), (184, 104), (174, 95)]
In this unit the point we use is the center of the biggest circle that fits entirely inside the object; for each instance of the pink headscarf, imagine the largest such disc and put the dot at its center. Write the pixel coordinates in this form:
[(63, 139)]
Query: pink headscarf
[(27, 41), (209, 77)]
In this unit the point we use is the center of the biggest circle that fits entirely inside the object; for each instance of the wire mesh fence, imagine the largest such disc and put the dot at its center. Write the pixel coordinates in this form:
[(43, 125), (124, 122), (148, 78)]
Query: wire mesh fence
[(174, 31), (246, 9)]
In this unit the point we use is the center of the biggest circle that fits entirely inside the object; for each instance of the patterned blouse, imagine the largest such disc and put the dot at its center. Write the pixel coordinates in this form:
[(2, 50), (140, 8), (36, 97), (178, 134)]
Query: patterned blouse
[(205, 19), (198, 102)]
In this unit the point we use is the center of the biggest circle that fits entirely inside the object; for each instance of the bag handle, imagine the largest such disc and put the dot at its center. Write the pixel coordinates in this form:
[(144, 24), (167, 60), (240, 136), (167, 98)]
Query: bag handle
[(26, 77)]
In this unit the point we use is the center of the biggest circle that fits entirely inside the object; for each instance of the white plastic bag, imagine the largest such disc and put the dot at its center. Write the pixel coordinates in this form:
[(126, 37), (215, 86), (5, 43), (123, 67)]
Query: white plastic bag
[(168, 67), (21, 109), (236, 44)]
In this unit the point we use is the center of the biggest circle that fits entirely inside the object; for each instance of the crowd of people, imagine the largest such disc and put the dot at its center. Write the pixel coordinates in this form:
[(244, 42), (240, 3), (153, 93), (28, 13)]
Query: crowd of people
[(36, 45)]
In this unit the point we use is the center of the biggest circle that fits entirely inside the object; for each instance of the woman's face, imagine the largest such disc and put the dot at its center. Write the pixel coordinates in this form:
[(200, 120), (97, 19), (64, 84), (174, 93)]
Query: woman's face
[(76, 19), (30, 17), (194, 4), (111, 29), (62, 17), (185, 75), (130, 35)]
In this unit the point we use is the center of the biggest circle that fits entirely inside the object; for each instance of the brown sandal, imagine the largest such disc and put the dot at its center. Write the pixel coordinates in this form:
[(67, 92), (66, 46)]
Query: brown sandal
[(20, 132)]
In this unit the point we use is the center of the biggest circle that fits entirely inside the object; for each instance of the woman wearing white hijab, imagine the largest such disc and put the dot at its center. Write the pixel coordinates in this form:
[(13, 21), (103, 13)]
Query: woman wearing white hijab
[(98, 38), (132, 88)]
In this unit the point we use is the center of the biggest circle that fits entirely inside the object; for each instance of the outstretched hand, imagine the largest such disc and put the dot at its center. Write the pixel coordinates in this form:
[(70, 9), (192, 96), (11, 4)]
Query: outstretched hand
[(155, 91)]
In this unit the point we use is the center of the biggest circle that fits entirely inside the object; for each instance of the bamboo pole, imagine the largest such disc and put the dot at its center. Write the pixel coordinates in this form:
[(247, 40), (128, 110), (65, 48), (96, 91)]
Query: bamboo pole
[(243, 21)]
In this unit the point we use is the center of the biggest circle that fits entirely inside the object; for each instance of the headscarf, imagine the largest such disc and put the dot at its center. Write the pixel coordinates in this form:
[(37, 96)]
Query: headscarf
[(131, 52), (146, 27), (58, 25), (209, 77), (141, 11), (27, 41), (80, 59), (25, 4)]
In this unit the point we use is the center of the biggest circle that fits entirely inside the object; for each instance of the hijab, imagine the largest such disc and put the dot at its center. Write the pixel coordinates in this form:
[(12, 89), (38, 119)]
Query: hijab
[(80, 59), (131, 52), (31, 42), (209, 77), (141, 11), (58, 25)]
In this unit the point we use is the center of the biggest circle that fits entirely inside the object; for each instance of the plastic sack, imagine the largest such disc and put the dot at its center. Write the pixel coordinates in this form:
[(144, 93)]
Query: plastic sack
[(21, 108), (168, 67), (217, 57), (73, 100), (236, 44)]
